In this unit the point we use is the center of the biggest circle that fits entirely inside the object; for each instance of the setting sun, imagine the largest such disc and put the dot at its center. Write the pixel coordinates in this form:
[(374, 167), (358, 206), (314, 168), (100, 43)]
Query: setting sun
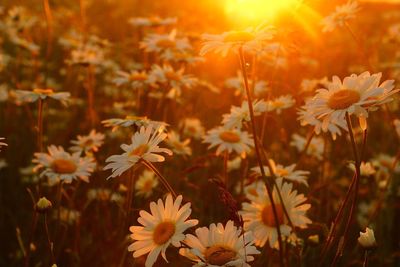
[(250, 11)]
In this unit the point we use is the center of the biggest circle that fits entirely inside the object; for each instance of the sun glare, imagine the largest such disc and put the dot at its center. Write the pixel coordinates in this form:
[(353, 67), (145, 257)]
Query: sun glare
[(251, 11)]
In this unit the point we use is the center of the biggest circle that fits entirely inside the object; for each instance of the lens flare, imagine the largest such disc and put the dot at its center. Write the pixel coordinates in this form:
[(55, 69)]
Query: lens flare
[(252, 11)]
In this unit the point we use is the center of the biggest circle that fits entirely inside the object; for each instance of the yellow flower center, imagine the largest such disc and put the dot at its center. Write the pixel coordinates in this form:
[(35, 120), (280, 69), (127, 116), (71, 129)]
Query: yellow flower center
[(147, 186), (252, 191), (87, 143), (281, 172), (238, 37), (138, 76), (165, 43), (267, 215), (219, 255), (135, 118), (163, 232), (229, 137), (43, 91), (63, 166), (278, 104), (172, 75), (343, 99), (140, 150)]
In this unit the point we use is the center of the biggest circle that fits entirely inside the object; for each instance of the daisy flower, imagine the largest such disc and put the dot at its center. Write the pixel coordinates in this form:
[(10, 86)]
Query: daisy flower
[(251, 39), (129, 121), (178, 146), (165, 45), (280, 103), (357, 94), (315, 148), (288, 172), (366, 168), (220, 246), (335, 128), (87, 143), (146, 183), (35, 94), (60, 165), (87, 54), (135, 79), (229, 140), (192, 127), (163, 227), (1, 143), (258, 216), (174, 80), (236, 83), (144, 146), (240, 114), (309, 85), (340, 17)]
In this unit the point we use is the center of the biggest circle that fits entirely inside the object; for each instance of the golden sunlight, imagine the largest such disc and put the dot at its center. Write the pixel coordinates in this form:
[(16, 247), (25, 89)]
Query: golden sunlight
[(253, 11)]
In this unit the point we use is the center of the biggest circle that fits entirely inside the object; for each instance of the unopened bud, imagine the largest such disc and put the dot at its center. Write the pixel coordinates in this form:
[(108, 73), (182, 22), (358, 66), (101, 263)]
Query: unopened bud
[(43, 205)]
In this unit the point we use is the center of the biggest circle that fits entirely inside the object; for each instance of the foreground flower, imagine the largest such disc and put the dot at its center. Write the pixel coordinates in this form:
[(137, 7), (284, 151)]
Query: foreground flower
[(146, 183), (250, 39), (163, 227), (88, 143), (60, 165), (1, 143), (229, 140), (367, 239), (357, 94), (285, 172), (340, 17), (35, 94), (220, 246), (144, 146), (258, 215)]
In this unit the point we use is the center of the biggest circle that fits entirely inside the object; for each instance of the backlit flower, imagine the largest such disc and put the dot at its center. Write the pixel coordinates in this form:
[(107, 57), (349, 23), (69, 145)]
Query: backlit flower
[(146, 183), (164, 226), (251, 39), (340, 16), (258, 215), (144, 146), (229, 140), (91, 142), (59, 165), (220, 246)]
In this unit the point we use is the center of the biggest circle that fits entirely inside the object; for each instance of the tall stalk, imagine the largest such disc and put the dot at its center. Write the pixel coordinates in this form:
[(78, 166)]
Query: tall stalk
[(161, 177), (258, 155)]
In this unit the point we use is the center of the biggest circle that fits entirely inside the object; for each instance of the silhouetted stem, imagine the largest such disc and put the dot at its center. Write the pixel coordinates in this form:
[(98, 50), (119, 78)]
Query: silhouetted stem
[(258, 155)]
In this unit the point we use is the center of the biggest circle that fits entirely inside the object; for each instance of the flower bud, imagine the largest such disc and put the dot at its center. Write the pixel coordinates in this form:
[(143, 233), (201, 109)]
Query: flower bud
[(43, 205), (367, 239)]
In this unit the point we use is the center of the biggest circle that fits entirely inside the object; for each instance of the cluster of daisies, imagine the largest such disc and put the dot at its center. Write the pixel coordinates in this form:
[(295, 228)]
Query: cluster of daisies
[(164, 80)]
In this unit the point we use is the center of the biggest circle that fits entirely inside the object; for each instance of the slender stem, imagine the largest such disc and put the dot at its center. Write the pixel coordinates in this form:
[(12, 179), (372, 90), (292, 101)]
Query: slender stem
[(225, 174), (90, 91), (131, 188), (360, 46), (257, 150), (366, 254), (40, 125), (31, 236), (162, 178), (53, 259), (47, 11)]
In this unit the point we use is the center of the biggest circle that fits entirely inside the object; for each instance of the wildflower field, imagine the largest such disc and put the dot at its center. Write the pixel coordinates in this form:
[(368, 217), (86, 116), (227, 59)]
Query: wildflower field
[(199, 133)]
